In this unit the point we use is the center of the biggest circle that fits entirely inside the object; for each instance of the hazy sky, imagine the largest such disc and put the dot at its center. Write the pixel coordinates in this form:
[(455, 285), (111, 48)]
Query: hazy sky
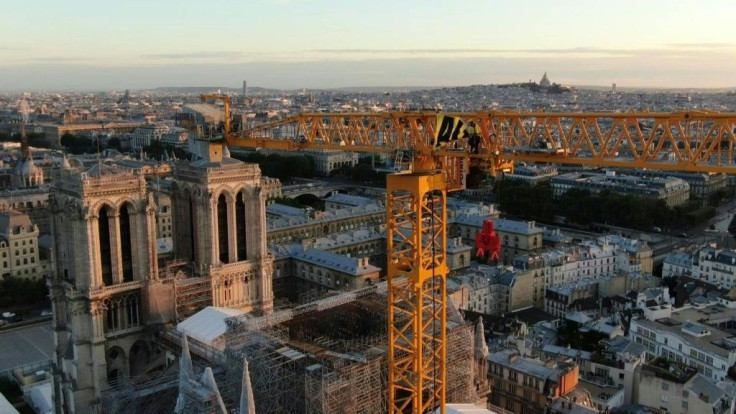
[(103, 44)]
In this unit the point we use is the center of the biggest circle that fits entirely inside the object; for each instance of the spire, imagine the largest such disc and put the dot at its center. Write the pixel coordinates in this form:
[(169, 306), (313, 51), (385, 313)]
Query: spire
[(65, 162), (247, 405), (481, 347), (185, 363), (23, 109), (165, 157), (24, 147), (208, 380), (186, 373), (225, 152)]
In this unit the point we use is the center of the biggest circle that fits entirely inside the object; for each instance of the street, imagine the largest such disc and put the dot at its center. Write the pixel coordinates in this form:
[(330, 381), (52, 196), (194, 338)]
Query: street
[(25, 345)]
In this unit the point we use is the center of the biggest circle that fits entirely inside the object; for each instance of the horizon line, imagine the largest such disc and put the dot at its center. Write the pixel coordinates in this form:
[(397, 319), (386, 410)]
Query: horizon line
[(416, 87)]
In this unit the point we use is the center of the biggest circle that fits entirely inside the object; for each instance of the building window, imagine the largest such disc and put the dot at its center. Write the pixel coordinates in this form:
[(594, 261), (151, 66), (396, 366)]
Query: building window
[(240, 224), (510, 405), (495, 400), (222, 227), (684, 405), (103, 232)]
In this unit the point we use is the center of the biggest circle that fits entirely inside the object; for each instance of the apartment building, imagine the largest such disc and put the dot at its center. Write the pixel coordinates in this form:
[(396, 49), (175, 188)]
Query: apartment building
[(20, 254), (678, 389), (699, 337), (523, 385), (674, 191)]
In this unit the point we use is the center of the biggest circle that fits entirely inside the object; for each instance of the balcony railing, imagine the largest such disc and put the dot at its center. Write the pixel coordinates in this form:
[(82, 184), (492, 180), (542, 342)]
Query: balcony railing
[(112, 289)]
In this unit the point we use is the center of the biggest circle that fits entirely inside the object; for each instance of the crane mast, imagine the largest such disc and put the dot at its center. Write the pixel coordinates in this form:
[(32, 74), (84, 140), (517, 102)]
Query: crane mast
[(697, 141)]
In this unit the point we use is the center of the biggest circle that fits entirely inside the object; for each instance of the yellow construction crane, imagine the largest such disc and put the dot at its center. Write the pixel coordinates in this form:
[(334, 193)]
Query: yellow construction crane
[(444, 146)]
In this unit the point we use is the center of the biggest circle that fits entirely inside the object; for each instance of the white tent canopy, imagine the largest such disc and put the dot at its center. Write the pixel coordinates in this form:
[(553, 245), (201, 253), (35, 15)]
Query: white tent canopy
[(208, 325)]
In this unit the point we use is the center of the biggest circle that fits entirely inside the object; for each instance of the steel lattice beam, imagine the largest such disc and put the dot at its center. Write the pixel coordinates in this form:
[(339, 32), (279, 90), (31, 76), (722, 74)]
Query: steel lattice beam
[(700, 141), (417, 271)]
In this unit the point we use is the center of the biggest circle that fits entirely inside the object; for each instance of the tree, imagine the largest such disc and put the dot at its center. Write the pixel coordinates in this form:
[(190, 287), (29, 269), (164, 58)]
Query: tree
[(475, 178), (524, 201), (114, 143), (23, 292), (78, 145), (281, 167)]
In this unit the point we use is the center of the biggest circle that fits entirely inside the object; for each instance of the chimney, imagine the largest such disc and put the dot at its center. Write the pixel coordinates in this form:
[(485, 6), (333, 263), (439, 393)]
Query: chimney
[(307, 243), (550, 363)]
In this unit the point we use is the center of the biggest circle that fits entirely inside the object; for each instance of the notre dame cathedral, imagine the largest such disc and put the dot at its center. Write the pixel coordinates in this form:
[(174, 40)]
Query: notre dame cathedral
[(111, 292)]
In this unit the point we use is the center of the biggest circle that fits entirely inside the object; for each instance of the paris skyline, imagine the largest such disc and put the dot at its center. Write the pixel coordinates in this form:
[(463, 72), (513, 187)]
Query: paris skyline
[(287, 44)]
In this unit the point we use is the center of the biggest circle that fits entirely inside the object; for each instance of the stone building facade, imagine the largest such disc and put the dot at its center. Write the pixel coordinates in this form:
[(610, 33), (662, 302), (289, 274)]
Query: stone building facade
[(319, 223), (517, 237), (104, 233), (20, 253), (522, 385), (108, 294), (674, 191), (219, 216)]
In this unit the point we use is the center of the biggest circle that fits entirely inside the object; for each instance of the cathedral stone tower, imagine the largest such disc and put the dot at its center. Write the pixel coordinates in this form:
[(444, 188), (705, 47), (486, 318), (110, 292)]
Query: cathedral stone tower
[(220, 226), (106, 281)]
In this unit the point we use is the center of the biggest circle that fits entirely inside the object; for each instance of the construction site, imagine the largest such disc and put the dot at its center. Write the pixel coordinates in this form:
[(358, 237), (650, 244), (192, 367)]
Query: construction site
[(327, 356)]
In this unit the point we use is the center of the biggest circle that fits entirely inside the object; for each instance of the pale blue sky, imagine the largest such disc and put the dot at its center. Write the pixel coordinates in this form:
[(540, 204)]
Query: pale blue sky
[(62, 45)]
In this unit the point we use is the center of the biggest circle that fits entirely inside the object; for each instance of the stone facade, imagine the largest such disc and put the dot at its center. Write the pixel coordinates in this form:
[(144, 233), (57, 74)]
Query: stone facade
[(522, 385), (108, 294), (496, 290), (104, 237), (19, 250), (219, 217), (517, 237), (320, 223)]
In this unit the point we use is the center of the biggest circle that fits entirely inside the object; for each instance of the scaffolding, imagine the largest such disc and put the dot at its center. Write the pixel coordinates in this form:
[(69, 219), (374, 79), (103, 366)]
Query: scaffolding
[(145, 393), (459, 362), (460, 357), (328, 356), (201, 396), (275, 370), (192, 295), (346, 384)]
